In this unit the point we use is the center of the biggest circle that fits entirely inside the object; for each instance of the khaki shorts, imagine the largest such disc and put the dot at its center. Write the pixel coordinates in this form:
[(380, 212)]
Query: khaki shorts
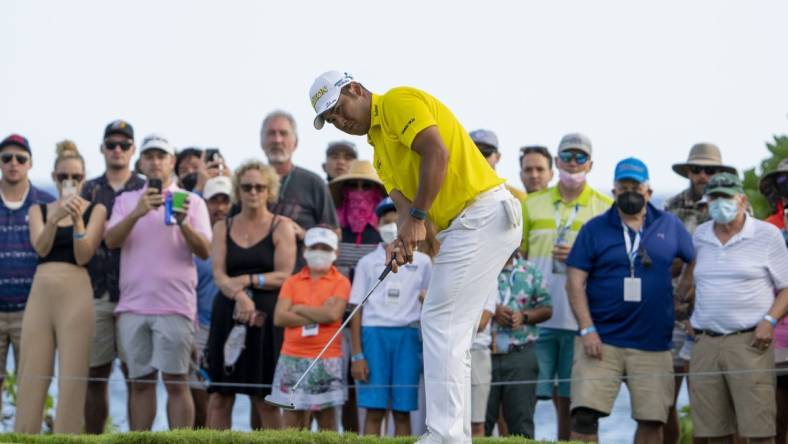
[(147, 343), (104, 349), (595, 382), (481, 376), (745, 399), (10, 335), (196, 381)]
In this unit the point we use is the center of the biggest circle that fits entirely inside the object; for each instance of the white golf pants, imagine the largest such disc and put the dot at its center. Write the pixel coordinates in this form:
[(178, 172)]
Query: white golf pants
[(473, 251)]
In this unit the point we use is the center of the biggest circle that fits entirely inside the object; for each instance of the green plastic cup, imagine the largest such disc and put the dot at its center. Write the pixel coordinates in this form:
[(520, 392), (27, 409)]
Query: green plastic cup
[(178, 199)]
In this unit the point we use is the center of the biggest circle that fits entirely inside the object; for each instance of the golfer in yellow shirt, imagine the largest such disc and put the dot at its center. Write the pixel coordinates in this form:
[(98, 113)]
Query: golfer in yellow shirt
[(432, 169)]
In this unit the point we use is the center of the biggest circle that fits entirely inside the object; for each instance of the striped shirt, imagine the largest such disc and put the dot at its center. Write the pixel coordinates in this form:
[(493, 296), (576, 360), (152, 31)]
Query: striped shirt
[(18, 260), (735, 283), (539, 235)]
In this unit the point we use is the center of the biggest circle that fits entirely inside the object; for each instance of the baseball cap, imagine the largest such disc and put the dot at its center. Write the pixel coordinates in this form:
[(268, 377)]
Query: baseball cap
[(384, 207), (485, 137), (632, 169), (320, 235), (217, 185), (724, 183), (119, 127), (324, 93), (342, 145), (16, 140), (575, 141), (158, 142)]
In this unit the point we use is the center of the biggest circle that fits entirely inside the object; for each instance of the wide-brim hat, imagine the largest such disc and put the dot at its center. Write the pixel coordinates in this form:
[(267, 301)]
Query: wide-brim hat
[(703, 154), (766, 185), (359, 170)]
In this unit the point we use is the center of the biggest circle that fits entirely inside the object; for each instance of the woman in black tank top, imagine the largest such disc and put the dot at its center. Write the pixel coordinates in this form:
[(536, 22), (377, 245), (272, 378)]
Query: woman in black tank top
[(253, 253), (59, 313)]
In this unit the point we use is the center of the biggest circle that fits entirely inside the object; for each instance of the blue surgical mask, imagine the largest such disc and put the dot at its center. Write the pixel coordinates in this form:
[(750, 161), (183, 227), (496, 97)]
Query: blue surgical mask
[(723, 211)]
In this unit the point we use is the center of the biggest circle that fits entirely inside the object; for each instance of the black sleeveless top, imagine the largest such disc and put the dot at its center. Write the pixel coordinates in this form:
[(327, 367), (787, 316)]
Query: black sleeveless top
[(63, 245), (258, 258)]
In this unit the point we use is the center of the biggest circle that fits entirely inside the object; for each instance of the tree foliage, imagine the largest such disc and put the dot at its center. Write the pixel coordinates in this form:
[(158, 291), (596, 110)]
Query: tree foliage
[(752, 177)]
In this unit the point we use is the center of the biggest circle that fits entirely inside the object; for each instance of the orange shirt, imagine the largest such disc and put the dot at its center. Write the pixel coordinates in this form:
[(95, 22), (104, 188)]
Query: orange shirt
[(301, 289)]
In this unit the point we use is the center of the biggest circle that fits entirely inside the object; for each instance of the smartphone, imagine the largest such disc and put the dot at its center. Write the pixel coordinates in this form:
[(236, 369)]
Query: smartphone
[(212, 154), (69, 188), (155, 183)]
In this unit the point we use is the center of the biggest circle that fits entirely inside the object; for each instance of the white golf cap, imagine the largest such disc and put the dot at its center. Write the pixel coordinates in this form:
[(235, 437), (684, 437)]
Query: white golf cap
[(157, 142), (217, 185), (324, 93), (320, 235)]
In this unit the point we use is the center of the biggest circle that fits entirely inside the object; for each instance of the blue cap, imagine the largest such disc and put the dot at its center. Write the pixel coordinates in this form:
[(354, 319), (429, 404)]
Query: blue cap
[(385, 206), (632, 169)]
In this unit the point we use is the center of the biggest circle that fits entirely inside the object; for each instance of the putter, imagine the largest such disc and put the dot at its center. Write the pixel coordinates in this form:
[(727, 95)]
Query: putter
[(290, 405)]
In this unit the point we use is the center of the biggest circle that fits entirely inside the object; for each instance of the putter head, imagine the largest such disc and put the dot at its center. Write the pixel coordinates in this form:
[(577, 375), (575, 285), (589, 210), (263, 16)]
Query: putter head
[(286, 406)]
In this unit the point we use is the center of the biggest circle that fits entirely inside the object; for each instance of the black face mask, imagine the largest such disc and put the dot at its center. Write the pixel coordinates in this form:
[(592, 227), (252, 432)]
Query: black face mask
[(630, 202), (189, 181)]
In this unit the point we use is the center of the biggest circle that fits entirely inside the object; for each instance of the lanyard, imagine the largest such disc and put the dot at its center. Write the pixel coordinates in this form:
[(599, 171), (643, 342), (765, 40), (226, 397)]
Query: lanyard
[(285, 184), (632, 248), (562, 230)]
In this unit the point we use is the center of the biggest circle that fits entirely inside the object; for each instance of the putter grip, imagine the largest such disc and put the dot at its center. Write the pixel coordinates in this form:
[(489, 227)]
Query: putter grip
[(386, 271)]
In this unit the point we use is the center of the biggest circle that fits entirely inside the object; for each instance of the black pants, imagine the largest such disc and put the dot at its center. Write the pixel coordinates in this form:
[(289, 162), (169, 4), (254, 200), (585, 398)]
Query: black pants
[(518, 401)]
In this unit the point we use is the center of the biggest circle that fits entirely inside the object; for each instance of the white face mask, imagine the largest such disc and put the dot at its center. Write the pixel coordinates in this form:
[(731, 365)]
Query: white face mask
[(319, 260), (572, 180), (388, 232), (234, 345)]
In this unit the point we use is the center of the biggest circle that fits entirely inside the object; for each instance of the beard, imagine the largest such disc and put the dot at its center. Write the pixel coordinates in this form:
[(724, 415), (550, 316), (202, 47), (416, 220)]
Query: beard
[(278, 157)]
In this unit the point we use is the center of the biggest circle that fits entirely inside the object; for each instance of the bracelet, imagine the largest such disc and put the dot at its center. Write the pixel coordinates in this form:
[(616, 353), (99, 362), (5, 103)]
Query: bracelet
[(251, 279), (770, 319), (418, 213), (587, 330), (357, 357), (78, 236), (260, 280)]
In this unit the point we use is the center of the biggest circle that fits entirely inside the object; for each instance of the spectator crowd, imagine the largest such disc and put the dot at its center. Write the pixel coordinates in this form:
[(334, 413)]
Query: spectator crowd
[(227, 280)]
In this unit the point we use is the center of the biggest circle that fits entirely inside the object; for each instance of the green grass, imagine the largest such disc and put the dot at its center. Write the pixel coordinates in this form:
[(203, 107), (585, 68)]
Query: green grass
[(213, 436)]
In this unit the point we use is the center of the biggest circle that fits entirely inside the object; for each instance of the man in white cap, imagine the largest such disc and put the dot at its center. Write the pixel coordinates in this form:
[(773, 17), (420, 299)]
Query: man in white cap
[(217, 193), (432, 169), (157, 286)]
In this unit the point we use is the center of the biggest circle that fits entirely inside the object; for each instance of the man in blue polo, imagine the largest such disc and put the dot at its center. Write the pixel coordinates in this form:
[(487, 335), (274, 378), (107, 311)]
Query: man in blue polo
[(17, 258), (619, 286)]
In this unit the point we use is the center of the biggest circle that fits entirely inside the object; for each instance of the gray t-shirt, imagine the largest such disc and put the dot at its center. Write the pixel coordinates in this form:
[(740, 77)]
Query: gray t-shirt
[(304, 197)]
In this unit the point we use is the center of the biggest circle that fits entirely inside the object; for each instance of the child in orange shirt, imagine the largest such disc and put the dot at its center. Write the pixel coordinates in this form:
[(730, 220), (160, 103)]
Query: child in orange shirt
[(310, 307)]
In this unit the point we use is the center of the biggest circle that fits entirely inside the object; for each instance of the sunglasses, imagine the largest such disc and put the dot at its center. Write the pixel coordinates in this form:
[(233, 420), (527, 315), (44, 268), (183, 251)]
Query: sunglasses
[(359, 184), (709, 170), (20, 158), (248, 187), (578, 157), (111, 144), (65, 176)]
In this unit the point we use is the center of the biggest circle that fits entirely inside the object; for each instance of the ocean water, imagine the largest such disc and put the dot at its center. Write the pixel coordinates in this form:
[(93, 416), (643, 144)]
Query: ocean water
[(619, 427)]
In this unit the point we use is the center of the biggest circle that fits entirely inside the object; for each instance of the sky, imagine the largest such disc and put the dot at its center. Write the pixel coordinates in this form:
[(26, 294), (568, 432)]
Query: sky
[(644, 79)]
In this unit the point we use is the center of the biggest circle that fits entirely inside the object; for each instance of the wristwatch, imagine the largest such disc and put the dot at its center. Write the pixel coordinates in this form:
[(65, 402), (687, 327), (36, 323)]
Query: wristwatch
[(418, 213)]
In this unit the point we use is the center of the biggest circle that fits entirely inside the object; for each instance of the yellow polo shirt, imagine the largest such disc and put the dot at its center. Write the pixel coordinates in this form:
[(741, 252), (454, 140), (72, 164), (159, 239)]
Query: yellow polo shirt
[(397, 118)]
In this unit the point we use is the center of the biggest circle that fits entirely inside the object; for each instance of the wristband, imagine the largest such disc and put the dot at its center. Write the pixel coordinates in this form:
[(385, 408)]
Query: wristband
[(770, 319), (78, 236), (260, 280), (417, 213), (587, 330), (357, 357)]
